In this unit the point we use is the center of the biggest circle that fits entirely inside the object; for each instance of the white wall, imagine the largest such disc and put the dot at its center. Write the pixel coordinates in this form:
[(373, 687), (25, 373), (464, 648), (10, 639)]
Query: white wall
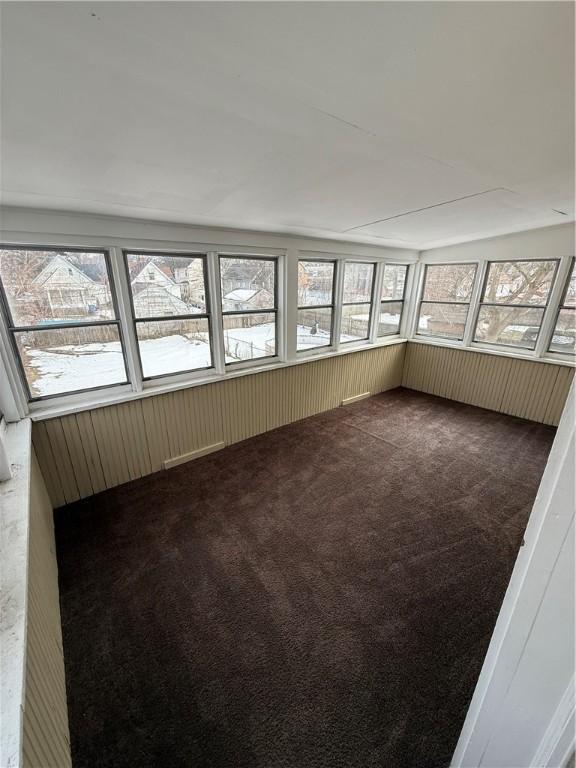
[(520, 715), (546, 243)]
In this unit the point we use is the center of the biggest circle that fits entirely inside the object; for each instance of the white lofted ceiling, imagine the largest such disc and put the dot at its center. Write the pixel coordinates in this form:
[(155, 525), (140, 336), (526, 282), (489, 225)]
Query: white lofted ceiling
[(402, 123)]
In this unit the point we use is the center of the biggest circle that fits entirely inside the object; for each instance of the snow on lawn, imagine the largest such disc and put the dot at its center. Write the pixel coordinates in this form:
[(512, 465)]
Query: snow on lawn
[(171, 354), (65, 369), (249, 343), (84, 366)]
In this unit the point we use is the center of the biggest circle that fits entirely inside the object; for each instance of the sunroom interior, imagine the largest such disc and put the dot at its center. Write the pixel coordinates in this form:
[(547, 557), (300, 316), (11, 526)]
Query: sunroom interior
[(279, 494)]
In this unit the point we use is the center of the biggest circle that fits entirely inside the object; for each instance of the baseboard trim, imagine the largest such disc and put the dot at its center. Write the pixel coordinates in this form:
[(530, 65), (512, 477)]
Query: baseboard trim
[(355, 398), (168, 463)]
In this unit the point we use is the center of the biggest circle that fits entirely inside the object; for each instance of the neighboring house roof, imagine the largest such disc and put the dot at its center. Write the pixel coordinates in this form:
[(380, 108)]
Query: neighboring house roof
[(165, 272), (154, 300), (242, 294), (55, 264)]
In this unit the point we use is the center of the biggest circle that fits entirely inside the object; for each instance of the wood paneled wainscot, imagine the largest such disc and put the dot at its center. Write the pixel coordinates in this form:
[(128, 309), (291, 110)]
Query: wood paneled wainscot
[(87, 452), (530, 389)]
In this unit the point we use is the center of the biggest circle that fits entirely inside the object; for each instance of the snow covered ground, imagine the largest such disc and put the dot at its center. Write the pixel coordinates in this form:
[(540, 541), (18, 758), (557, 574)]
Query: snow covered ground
[(171, 354), (69, 368), (84, 366)]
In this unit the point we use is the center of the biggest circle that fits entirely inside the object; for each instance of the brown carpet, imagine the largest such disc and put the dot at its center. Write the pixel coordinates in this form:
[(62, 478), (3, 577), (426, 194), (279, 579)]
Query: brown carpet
[(319, 596)]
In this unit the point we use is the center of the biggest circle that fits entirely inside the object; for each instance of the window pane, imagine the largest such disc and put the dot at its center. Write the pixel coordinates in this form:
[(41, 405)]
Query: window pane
[(247, 283), (355, 322), (247, 337), (71, 359), (47, 287), (445, 320), (519, 282), (449, 282), (565, 332), (315, 282), (394, 280), (173, 346), (358, 282), (389, 320), (570, 298), (166, 285), (513, 327), (314, 328)]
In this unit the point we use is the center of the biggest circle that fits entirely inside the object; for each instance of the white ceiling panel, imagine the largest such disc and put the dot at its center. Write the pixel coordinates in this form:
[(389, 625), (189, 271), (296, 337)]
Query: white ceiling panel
[(312, 118)]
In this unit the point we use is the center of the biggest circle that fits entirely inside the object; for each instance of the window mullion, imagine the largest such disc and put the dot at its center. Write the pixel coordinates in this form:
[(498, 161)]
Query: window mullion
[(119, 278), (551, 312), (216, 320), (475, 302), (13, 397), (338, 295), (412, 300), (377, 278), (290, 314)]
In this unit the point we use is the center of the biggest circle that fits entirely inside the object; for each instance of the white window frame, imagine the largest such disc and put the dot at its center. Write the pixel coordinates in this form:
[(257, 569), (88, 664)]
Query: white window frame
[(420, 300), (369, 338), (136, 360), (278, 314), (337, 268), (479, 304), (381, 268), (548, 322), (563, 275), (10, 328), (44, 229)]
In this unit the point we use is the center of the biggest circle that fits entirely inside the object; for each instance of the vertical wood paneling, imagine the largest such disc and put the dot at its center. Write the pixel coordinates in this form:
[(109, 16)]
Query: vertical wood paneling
[(86, 452), (45, 737), (525, 388)]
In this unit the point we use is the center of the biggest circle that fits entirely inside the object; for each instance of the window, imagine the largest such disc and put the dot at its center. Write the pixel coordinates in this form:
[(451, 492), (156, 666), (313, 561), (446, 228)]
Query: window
[(61, 314), (356, 301), (513, 302), (445, 300), (249, 308), (315, 304), (170, 312), (565, 328), (392, 299)]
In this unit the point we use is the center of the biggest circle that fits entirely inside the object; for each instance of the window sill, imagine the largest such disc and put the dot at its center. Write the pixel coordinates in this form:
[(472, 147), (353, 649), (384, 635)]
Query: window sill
[(40, 411), (498, 352), (14, 501)]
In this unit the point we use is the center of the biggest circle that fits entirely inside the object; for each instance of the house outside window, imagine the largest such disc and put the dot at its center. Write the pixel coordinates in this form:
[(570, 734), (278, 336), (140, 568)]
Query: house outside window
[(249, 307), (62, 318), (171, 315)]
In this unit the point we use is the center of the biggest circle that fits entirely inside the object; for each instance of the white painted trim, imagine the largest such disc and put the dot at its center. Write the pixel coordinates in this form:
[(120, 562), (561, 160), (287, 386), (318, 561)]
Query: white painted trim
[(185, 457), (120, 283), (556, 294), (355, 398), (474, 306), (215, 309), (559, 741)]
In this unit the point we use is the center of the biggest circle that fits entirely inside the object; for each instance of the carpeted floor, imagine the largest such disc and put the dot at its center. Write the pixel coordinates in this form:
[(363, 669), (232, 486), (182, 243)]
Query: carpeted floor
[(320, 596)]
